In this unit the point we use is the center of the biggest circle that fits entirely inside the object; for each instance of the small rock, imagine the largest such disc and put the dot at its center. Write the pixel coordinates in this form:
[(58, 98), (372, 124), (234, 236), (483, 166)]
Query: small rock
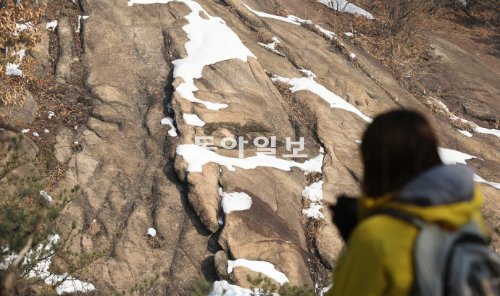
[(479, 110), (26, 112), (221, 264)]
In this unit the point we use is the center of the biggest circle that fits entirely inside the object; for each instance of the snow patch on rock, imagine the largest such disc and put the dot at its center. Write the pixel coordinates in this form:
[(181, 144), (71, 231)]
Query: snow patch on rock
[(13, 70), (345, 6), (64, 283), (151, 232), (314, 192), (476, 128), (210, 41), (309, 84), (223, 288), (314, 211), (235, 201), (169, 122), (197, 156), (80, 19), (193, 119), (272, 46), (263, 267), (292, 19), (449, 156), (51, 26)]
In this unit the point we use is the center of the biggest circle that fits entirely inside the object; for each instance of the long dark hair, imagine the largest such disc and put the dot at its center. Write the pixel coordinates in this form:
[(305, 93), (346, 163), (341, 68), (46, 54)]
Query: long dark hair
[(397, 146)]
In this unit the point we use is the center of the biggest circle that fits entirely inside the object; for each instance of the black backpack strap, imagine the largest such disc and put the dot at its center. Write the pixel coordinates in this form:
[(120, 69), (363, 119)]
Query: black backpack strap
[(410, 219)]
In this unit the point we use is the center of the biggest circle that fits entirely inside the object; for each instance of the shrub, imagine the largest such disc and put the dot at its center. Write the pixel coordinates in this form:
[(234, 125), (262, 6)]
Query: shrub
[(27, 214)]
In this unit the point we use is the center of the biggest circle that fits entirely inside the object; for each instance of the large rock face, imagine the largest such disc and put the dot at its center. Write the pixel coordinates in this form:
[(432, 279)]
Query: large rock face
[(136, 174)]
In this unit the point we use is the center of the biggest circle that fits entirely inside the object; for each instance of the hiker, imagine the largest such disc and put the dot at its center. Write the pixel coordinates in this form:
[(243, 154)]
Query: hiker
[(411, 204)]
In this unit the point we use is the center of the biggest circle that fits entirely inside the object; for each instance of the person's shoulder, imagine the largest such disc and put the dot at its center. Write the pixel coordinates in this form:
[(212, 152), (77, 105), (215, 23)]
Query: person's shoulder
[(378, 226)]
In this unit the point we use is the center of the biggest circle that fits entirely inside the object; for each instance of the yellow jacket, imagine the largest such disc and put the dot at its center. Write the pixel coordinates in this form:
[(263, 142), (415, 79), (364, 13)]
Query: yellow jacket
[(378, 257)]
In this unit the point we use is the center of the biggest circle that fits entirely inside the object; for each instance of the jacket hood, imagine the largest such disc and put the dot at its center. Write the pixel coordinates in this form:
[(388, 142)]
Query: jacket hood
[(443, 194), (441, 185)]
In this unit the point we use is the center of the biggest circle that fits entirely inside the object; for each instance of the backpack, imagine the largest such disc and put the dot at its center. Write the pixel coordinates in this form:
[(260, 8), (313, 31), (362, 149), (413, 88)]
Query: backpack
[(452, 262)]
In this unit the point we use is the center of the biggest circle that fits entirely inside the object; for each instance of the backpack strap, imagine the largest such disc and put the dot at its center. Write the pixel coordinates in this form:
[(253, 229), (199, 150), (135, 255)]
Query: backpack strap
[(410, 219)]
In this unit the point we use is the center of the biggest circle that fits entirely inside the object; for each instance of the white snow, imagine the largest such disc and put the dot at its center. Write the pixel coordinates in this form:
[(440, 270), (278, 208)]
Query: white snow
[(80, 19), (210, 41), (314, 211), (272, 46), (170, 122), (453, 117), (13, 70), (487, 131), (308, 73), (449, 156), (235, 201), (24, 131), (325, 290), (465, 133), (21, 54), (8, 259), (315, 164), (289, 19), (345, 6), (132, 2), (329, 34), (72, 285), (192, 119), (46, 131), (263, 267), (348, 34), (63, 283), (223, 288), (50, 114), (352, 55), (51, 25), (151, 232), (35, 134), (303, 83), (477, 128), (22, 27), (292, 19), (45, 195), (197, 156), (314, 192)]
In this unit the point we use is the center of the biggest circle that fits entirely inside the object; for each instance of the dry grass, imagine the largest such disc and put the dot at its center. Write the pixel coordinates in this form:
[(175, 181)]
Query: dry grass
[(70, 101), (264, 36), (462, 125), (279, 8), (13, 90), (156, 241)]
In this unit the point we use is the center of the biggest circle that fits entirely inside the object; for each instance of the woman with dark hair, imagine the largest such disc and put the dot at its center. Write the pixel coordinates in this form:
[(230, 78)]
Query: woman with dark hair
[(403, 175)]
